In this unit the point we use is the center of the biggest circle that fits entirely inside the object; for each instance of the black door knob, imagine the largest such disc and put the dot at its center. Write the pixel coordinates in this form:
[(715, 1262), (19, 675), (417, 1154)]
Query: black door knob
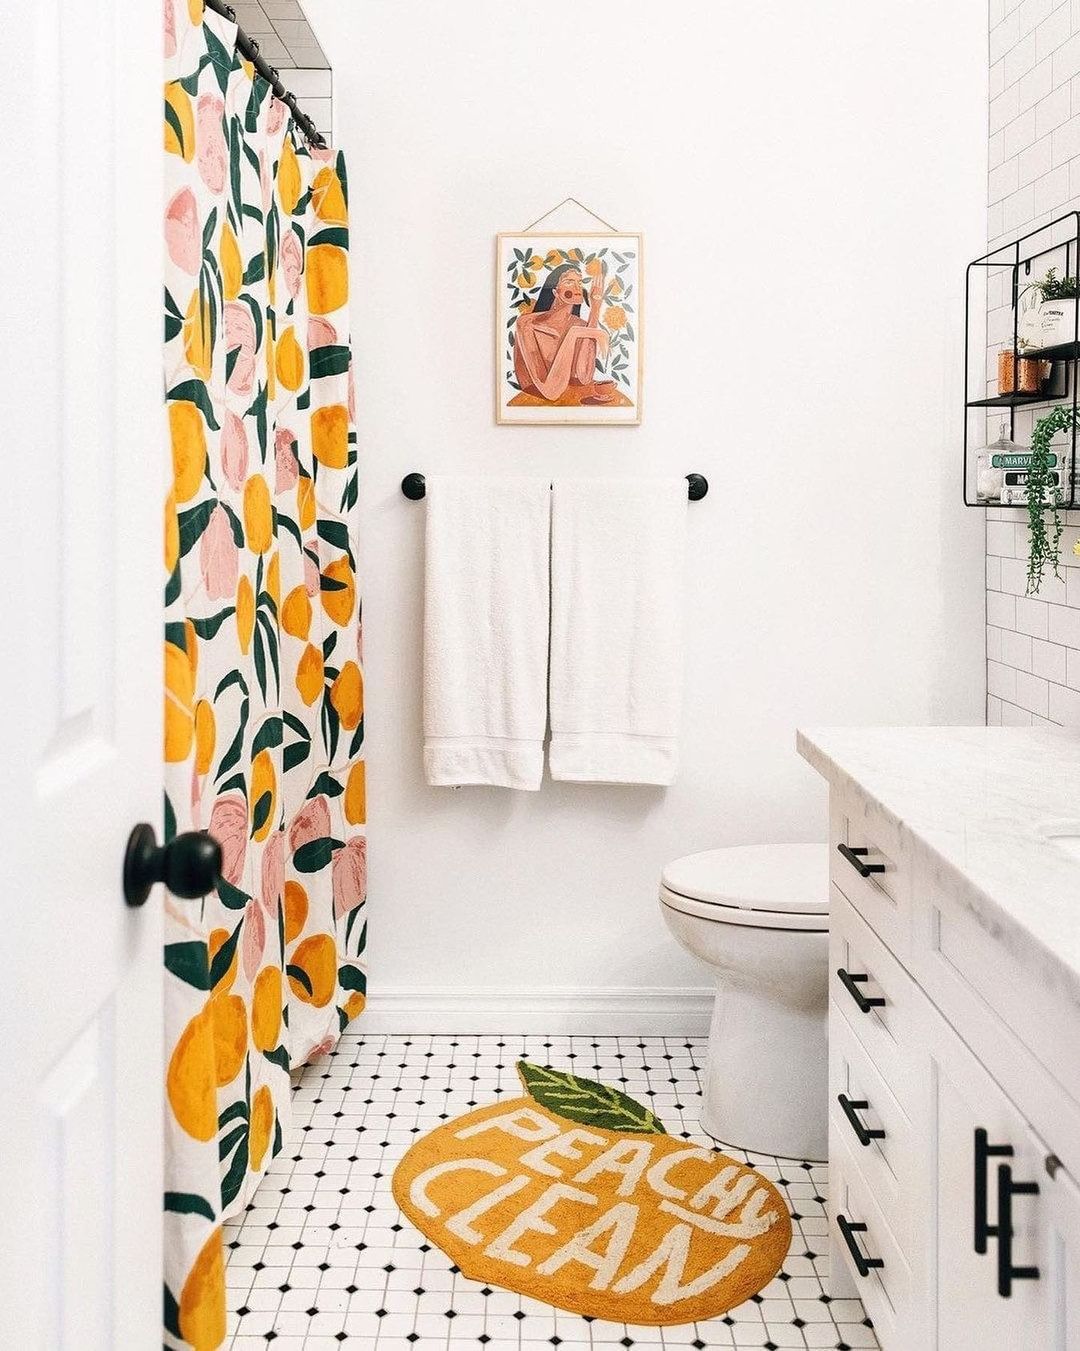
[(189, 865)]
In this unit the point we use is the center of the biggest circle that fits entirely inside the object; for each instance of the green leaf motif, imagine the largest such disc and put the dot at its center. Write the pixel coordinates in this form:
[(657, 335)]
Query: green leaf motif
[(193, 522), (188, 961), (224, 956), (586, 1102), (194, 391), (328, 361), (325, 783), (187, 1203), (316, 854)]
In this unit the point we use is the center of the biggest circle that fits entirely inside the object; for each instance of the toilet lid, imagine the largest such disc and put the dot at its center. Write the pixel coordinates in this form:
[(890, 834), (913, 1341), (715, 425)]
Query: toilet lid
[(788, 879)]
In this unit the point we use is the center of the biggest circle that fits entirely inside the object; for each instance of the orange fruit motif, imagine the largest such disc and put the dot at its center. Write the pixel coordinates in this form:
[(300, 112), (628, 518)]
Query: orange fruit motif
[(179, 142), (305, 502), (205, 736), (172, 533), (262, 1123), (179, 700), (354, 1005), (338, 602), (288, 178), (327, 197), (576, 1195), (214, 943), (296, 613), (230, 1036), (188, 438), (191, 1079), (347, 695), (245, 613), (258, 515), (309, 674), (356, 795), (330, 435), (296, 911), (290, 360), (266, 1009), (327, 277), (263, 795), (313, 970), (232, 266), (198, 343), (201, 1312)]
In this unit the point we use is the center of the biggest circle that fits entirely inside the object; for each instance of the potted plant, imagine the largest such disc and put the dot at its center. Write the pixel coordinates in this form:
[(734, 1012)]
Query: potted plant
[(1052, 320), (1045, 496)]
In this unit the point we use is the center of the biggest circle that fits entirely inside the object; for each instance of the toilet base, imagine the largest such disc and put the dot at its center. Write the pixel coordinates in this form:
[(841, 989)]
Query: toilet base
[(766, 1075)]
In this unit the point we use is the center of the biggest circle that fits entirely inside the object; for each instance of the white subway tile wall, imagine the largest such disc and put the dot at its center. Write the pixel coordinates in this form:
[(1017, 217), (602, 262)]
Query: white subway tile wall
[(1032, 642)]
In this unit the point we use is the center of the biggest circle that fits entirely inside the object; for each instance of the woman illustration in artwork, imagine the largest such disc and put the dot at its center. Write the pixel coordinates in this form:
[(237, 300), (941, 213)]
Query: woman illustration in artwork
[(555, 349)]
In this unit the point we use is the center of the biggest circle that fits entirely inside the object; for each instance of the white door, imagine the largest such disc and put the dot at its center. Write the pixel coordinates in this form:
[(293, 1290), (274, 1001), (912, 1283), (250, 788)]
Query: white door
[(1008, 1218), (80, 672)]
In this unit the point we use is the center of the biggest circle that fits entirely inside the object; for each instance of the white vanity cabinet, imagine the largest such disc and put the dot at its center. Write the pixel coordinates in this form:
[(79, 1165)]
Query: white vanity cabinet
[(954, 1027)]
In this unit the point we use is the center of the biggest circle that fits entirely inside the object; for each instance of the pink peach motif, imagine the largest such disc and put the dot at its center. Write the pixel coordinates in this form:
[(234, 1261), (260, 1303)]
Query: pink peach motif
[(312, 583), (234, 450), (287, 470), (240, 334), (349, 874), (213, 154), (228, 825), (170, 29), (320, 333), (311, 822), (275, 118), (273, 874), (219, 557), (253, 939), (183, 237), (292, 262)]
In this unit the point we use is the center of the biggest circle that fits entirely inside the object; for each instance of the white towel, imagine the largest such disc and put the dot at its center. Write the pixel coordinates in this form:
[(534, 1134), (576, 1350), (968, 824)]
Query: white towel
[(617, 600), (486, 630)]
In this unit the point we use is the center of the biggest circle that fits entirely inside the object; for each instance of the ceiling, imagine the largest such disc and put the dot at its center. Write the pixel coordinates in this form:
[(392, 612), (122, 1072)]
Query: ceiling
[(283, 33)]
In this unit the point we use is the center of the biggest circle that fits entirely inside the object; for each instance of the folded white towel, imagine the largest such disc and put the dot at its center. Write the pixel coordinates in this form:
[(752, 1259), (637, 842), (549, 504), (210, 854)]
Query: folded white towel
[(617, 599), (486, 630)]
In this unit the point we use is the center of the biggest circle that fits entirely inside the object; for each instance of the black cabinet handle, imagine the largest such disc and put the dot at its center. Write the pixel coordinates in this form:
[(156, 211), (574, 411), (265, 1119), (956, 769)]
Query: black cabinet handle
[(863, 1264), (851, 985), (864, 1134), (984, 1150), (1006, 1272), (855, 857)]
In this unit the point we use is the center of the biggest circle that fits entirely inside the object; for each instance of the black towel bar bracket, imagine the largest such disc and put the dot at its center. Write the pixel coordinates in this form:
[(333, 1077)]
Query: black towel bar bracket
[(414, 487)]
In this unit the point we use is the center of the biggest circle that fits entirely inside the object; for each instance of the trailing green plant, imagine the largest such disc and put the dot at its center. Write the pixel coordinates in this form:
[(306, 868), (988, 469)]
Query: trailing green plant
[(1044, 497), (1053, 287)]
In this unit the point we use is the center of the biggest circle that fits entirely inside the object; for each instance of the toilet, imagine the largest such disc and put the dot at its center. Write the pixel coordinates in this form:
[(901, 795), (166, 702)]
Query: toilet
[(758, 916)]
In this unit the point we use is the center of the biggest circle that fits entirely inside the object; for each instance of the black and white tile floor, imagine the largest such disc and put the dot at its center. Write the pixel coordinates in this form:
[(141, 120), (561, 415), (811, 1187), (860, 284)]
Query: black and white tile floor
[(324, 1261)]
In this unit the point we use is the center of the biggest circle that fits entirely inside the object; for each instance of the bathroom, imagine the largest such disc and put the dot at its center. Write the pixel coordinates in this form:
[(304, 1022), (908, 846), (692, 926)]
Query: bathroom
[(863, 662)]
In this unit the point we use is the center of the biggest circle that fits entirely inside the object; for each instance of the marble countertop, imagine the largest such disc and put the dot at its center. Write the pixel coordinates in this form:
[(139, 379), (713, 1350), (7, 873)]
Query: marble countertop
[(984, 805)]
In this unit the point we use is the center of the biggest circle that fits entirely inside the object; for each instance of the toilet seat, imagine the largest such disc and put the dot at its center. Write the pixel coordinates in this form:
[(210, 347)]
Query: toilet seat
[(773, 886)]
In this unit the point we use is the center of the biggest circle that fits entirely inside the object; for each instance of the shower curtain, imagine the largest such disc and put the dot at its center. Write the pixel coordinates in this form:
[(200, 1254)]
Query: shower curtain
[(264, 721)]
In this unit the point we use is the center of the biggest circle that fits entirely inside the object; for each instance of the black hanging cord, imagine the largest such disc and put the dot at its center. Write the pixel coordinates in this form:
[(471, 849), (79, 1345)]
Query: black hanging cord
[(249, 50)]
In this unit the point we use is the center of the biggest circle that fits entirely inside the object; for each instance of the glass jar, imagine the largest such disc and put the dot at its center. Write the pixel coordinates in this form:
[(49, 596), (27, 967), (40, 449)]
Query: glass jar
[(990, 464)]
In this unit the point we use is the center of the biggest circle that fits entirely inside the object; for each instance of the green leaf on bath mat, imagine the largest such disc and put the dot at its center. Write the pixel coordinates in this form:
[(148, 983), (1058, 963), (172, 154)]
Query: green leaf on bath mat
[(586, 1102)]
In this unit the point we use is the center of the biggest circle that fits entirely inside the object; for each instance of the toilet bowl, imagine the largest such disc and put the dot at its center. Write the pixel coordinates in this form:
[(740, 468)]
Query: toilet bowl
[(758, 916)]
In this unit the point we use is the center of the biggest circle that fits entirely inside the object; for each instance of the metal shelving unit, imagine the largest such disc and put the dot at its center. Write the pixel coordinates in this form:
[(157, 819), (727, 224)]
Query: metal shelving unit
[(1012, 268)]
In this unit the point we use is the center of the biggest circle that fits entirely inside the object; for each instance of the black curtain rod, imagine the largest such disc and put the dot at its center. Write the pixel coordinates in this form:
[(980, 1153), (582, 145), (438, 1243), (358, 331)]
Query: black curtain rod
[(249, 50)]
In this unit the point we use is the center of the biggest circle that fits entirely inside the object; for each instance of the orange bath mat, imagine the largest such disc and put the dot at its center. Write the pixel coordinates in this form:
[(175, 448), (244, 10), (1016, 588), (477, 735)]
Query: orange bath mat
[(576, 1195)]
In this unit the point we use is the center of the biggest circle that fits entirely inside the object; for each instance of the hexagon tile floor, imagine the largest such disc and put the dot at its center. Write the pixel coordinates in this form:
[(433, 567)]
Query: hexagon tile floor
[(323, 1260)]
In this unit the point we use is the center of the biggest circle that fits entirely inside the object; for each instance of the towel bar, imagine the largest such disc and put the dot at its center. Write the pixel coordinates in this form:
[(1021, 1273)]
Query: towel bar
[(414, 487)]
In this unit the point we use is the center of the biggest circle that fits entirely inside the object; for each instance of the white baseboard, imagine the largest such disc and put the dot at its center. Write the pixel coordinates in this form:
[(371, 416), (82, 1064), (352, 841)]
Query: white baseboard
[(654, 1012)]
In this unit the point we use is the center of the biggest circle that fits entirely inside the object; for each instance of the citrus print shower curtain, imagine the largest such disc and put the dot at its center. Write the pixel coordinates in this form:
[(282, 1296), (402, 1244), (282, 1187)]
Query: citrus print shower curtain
[(264, 694)]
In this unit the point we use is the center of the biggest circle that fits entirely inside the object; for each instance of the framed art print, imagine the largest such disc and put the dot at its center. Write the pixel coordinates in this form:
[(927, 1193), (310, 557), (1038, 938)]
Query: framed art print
[(568, 340)]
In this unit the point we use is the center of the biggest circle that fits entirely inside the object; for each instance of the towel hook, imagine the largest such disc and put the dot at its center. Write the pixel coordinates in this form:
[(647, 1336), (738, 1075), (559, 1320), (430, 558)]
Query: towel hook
[(414, 486)]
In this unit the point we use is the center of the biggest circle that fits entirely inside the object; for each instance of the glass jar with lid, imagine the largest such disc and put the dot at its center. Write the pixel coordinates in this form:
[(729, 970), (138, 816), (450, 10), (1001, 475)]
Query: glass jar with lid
[(991, 462)]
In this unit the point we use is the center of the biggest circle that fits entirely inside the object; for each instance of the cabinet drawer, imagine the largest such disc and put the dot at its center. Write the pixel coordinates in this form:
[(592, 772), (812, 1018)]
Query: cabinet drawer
[(866, 1117), (885, 1290), (875, 996), (868, 865)]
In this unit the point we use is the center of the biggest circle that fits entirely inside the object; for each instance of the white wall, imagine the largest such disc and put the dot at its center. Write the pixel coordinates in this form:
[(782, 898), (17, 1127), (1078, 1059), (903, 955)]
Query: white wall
[(810, 181), (1032, 642)]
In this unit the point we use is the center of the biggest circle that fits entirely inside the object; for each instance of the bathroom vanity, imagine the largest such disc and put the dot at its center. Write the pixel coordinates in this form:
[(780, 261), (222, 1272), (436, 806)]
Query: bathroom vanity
[(954, 1030)]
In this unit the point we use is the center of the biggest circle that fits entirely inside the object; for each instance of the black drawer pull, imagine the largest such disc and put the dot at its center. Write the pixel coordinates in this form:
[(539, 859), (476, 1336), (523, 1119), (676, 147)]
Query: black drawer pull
[(984, 1151), (855, 857), (864, 1134), (851, 985), (863, 1264), (1006, 1272)]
